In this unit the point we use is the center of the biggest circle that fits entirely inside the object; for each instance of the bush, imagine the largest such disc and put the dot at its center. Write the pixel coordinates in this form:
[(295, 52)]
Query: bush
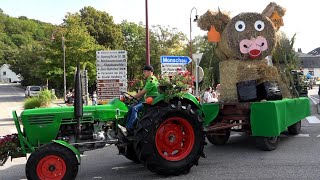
[(32, 103), (45, 97), (43, 100)]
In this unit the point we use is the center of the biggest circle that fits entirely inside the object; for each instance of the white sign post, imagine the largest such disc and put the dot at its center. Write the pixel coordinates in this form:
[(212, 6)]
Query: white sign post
[(197, 58), (111, 73)]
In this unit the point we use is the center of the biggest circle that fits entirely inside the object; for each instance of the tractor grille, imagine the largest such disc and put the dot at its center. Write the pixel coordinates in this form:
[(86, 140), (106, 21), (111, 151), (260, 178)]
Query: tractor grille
[(74, 120), (40, 119)]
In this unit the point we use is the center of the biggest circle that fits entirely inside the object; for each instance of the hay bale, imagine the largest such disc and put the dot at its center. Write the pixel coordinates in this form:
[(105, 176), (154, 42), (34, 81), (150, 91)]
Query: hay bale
[(248, 70), (228, 80), (217, 19), (267, 73)]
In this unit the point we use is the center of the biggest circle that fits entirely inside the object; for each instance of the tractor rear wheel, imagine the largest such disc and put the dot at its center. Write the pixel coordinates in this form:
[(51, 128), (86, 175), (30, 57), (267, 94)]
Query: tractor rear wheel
[(52, 161), (129, 152), (170, 139), (218, 140), (267, 143)]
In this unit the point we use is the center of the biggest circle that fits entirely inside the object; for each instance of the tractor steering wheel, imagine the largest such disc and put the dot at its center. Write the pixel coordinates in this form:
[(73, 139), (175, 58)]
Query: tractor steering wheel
[(129, 98)]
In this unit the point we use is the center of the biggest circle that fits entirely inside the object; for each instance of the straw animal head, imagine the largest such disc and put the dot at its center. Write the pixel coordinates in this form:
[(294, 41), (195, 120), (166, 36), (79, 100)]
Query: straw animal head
[(247, 35)]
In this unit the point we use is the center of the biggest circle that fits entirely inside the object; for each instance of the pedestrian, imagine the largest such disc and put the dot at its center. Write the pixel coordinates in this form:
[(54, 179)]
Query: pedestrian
[(94, 98), (150, 90), (70, 97), (208, 97)]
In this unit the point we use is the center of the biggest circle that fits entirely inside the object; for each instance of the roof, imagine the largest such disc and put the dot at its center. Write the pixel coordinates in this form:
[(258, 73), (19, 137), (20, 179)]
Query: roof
[(310, 62), (5, 65), (315, 52)]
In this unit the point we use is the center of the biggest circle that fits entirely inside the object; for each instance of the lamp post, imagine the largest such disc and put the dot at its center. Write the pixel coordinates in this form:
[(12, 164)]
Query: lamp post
[(147, 37), (194, 20), (64, 68)]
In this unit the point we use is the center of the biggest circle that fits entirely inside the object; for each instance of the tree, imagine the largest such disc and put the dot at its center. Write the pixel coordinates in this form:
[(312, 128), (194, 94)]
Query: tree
[(100, 25), (134, 44)]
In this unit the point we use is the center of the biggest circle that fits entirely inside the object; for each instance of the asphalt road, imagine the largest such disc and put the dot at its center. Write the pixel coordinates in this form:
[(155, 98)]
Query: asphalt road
[(297, 157)]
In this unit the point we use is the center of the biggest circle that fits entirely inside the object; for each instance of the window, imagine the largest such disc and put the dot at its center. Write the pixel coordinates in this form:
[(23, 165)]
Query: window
[(311, 73), (4, 73)]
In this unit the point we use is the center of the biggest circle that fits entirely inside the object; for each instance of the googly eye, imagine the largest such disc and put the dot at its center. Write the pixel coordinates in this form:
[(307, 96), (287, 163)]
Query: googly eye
[(259, 25), (240, 26)]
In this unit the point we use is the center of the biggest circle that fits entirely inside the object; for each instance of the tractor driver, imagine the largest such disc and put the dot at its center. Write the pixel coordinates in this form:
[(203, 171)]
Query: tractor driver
[(150, 90)]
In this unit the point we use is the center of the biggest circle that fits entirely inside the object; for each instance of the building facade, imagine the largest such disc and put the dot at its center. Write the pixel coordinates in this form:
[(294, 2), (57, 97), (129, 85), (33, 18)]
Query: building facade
[(310, 64), (7, 75)]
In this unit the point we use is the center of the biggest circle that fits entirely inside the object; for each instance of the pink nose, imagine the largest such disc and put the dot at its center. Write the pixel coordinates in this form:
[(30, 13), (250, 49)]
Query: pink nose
[(254, 46)]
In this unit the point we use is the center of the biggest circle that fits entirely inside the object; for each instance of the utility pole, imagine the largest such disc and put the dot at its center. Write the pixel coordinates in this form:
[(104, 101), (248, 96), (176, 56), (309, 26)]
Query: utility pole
[(64, 69), (147, 37)]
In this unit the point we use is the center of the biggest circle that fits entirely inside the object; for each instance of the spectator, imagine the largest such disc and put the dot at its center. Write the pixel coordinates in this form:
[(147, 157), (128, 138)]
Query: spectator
[(94, 98), (207, 97)]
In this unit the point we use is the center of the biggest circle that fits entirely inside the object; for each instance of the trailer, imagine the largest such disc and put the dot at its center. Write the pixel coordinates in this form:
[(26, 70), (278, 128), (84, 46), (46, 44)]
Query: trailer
[(264, 120)]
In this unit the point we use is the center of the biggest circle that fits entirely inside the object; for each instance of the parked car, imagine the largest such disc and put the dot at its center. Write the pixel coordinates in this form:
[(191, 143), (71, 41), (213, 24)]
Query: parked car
[(32, 91)]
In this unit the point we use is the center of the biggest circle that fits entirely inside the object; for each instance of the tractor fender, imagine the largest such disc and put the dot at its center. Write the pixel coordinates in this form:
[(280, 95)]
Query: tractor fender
[(72, 148), (186, 96)]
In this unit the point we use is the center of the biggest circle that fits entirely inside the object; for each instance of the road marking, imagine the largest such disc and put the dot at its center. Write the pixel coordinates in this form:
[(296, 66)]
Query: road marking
[(97, 177), (314, 100), (318, 135), (302, 135), (117, 168), (235, 135), (313, 120)]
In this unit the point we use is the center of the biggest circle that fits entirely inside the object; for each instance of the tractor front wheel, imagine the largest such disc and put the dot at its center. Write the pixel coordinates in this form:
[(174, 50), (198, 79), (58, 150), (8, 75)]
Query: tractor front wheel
[(52, 161), (170, 140)]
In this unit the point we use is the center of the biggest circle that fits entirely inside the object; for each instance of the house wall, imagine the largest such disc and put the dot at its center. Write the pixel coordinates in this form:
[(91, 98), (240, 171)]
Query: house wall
[(6, 75), (313, 71)]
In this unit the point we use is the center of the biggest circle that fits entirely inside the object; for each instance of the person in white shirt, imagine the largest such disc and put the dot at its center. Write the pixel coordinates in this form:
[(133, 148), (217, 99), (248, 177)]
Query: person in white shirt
[(207, 97)]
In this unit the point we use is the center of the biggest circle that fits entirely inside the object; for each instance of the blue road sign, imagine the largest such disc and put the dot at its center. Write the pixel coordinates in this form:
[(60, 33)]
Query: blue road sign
[(175, 60)]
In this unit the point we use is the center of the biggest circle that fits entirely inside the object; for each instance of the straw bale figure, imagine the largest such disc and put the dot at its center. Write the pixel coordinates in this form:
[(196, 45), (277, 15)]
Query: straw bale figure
[(244, 42)]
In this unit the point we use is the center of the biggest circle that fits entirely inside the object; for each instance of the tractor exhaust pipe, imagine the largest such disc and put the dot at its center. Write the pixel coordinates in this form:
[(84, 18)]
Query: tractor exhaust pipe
[(78, 102)]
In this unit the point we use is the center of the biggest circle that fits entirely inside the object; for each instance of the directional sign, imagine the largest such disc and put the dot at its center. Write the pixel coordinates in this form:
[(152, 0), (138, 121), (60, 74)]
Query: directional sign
[(111, 73), (175, 60)]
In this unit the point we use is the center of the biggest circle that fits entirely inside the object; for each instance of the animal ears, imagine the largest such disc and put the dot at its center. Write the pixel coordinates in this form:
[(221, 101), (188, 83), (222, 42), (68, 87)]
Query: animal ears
[(217, 19), (275, 13)]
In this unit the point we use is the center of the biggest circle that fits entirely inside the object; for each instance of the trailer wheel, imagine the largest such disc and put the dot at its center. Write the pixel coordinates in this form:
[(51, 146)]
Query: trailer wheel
[(219, 140), (129, 152), (52, 161), (295, 128), (170, 140), (267, 143)]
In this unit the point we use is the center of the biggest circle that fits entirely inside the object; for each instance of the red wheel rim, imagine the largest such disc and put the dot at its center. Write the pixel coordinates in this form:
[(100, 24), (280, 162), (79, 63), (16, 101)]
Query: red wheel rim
[(175, 139), (51, 167)]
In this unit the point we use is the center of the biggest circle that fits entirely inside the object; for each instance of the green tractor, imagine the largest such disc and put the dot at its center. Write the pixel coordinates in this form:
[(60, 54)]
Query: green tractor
[(168, 138)]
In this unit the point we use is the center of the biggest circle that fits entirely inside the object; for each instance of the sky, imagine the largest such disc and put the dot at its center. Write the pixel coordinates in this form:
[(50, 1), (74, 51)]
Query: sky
[(301, 16)]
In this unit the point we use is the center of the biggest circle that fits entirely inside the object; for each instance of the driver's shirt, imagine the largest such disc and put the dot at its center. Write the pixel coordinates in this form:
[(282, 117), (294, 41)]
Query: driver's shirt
[(151, 86)]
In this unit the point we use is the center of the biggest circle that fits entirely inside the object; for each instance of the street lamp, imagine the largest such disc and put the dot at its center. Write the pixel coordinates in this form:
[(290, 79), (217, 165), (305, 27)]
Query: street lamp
[(64, 68), (194, 20)]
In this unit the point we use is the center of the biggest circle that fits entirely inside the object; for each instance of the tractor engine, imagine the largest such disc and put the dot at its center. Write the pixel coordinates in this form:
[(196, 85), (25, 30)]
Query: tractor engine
[(92, 136)]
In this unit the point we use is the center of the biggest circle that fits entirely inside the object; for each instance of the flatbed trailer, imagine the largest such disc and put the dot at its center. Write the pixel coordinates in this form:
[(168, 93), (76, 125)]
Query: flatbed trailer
[(264, 120)]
